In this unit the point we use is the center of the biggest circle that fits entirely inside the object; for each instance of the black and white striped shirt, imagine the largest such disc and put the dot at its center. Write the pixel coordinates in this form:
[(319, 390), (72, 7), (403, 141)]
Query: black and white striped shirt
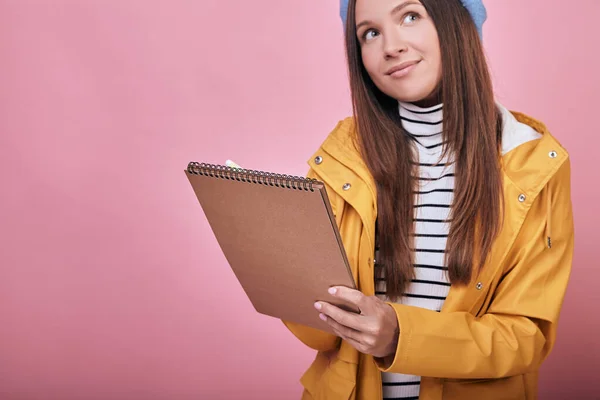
[(435, 192)]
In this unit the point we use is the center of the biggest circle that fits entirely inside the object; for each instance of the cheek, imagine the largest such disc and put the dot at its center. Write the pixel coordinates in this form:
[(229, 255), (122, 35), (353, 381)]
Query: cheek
[(431, 53), (438, 67), (370, 62), (434, 50), (437, 59)]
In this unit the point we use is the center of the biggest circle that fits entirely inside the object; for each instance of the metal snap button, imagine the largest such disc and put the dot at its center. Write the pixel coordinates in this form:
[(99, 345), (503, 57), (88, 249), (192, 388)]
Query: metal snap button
[(318, 160), (346, 186), (522, 198), (553, 154), (479, 286)]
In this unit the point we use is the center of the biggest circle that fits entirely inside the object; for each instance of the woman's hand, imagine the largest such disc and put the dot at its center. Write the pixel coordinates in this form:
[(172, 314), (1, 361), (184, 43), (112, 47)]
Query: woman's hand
[(374, 331)]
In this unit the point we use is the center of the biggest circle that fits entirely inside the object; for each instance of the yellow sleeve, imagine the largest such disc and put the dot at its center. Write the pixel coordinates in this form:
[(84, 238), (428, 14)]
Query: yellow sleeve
[(518, 330), (314, 338)]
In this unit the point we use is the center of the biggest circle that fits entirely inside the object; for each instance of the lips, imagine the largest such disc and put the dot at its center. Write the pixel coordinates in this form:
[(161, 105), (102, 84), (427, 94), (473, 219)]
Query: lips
[(401, 66)]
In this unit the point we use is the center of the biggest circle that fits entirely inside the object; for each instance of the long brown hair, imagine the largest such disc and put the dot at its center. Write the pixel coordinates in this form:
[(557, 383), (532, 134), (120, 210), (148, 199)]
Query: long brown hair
[(472, 133)]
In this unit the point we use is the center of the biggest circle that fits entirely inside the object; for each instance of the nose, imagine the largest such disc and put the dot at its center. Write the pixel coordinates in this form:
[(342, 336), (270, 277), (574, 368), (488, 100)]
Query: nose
[(393, 45)]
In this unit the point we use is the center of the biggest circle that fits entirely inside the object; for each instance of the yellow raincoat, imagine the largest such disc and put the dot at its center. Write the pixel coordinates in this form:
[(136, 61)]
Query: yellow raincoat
[(491, 336)]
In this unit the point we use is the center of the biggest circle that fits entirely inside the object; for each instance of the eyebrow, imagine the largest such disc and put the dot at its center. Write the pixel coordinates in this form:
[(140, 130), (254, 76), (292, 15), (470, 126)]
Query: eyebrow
[(396, 10)]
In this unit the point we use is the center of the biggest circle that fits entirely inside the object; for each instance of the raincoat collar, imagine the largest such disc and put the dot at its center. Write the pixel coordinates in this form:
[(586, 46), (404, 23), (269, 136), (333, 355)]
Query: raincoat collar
[(529, 167)]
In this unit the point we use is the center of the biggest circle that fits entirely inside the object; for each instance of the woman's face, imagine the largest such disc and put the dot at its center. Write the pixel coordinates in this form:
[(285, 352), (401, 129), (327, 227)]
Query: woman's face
[(400, 48)]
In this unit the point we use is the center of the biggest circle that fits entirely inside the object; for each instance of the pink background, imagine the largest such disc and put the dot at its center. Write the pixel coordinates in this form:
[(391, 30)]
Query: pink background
[(111, 283)]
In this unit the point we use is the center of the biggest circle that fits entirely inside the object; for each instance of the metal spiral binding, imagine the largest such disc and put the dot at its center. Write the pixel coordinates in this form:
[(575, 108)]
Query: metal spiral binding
[(252, 176)]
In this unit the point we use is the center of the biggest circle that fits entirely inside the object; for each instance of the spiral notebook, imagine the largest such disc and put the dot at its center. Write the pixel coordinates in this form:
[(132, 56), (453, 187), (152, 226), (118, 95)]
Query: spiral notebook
[(279, 236)]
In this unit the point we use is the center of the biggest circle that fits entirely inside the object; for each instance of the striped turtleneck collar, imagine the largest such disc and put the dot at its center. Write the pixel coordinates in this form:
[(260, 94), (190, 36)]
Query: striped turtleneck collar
[(425, 125)]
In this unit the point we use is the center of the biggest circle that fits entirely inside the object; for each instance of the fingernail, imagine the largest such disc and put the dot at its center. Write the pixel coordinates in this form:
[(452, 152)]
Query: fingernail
[(318, 306), (332, 290), (323, 317)]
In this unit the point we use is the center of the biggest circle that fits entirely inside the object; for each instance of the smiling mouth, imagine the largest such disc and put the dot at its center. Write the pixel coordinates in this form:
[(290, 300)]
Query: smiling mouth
[(402, 69)]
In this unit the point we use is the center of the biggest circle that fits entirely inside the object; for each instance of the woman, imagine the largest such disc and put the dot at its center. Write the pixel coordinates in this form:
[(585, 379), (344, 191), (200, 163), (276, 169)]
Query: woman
[(455, 214)]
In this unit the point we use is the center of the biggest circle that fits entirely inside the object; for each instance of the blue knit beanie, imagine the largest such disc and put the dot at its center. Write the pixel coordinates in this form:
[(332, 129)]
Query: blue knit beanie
[(475, 8)]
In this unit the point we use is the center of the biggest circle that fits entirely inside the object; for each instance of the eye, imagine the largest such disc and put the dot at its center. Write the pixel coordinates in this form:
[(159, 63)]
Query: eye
[(370, 34), (411, 18)]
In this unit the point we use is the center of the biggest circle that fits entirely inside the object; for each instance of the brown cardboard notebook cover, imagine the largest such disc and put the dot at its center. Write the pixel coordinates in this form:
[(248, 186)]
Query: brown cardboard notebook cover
[(278, 234)]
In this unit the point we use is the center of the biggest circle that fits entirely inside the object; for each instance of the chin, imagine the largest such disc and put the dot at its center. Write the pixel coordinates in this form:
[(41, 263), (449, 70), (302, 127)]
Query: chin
[(410, 94), (409, 97)]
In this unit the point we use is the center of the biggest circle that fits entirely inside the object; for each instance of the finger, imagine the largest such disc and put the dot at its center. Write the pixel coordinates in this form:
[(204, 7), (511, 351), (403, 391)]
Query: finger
[(348, 319), (341, 330), (352, 296), (349, 336), (357, 345)]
